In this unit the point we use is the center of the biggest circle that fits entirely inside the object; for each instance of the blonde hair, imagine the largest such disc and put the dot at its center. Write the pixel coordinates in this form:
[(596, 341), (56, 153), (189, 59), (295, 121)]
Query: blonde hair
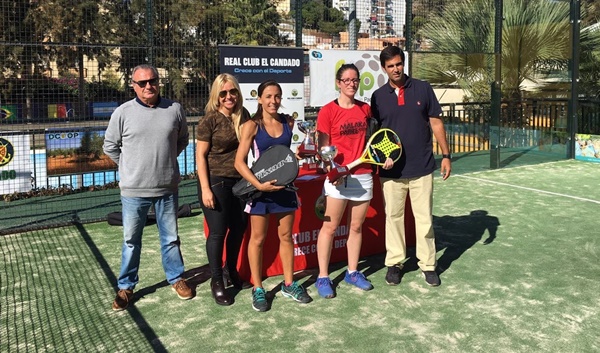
[(213, 100)]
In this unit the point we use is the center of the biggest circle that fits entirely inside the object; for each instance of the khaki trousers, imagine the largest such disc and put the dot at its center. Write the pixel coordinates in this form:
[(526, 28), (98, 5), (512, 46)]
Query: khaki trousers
[(421, 200)]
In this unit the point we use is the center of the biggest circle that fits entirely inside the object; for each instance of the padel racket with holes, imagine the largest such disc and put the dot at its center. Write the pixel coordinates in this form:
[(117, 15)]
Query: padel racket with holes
[(382, 145)]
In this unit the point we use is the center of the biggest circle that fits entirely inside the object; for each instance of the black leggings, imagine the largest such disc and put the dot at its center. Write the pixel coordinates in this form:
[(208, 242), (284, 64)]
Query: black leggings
[(228, 215)]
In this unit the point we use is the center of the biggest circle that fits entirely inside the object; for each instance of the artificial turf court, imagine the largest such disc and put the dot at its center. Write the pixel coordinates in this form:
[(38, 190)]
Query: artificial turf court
[(64, 208), (518, 252)]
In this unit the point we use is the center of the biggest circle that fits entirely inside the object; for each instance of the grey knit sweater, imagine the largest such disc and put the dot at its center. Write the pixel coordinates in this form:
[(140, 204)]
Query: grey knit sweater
[(145, 143)]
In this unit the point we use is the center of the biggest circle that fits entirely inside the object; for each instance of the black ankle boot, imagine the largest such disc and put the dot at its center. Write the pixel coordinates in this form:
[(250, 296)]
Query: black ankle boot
[(237, 282), (226, 278), (217, 288)]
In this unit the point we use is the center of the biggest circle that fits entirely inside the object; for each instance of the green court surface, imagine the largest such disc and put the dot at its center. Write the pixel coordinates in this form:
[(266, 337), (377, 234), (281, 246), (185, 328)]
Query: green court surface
[(62, 209), (518, 253)]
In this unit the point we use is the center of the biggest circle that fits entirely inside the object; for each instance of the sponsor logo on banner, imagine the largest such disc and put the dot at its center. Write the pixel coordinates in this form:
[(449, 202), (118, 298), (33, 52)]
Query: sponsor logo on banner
[(72, 151), (7, 151), (587, 147), (15, 166), (324, 65)]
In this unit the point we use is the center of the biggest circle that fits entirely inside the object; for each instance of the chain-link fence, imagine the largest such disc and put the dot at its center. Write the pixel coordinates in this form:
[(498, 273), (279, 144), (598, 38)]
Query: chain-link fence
[(66, 65)]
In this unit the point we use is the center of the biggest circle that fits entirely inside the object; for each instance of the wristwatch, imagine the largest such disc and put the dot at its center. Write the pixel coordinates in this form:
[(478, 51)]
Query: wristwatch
[(449, 156)]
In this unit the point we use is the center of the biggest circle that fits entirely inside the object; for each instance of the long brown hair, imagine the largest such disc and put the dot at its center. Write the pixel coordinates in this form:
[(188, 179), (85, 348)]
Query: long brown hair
[(257, 118)]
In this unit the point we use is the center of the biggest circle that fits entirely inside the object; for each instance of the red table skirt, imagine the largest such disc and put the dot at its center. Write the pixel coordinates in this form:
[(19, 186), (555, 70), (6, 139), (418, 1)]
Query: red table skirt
[(306, 229)]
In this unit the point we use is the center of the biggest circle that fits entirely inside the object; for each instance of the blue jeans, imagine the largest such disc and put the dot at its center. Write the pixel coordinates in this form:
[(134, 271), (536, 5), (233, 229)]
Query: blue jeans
[(135, 212)]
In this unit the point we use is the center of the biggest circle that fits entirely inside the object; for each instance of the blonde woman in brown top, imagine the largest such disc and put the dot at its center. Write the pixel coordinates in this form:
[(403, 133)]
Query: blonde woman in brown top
[(216, 145)]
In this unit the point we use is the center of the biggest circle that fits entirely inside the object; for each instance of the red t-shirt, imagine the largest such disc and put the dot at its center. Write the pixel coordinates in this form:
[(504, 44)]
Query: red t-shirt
[(347, 130)]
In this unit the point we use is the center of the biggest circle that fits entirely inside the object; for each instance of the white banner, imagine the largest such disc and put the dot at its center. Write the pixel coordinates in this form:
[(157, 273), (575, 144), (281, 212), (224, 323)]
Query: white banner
[(325, 63), (253, 65), (15, 164), (292, 103)]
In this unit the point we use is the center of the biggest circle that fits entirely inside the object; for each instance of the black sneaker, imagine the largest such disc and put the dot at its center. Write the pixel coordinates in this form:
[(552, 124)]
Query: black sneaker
[(296, 292), (432, 278), (392, 277), (259, 299)]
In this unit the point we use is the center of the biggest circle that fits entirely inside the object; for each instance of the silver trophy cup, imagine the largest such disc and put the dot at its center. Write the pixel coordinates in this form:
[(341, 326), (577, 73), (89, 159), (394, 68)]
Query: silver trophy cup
[(308, 148), (336, 172), (327, 154)]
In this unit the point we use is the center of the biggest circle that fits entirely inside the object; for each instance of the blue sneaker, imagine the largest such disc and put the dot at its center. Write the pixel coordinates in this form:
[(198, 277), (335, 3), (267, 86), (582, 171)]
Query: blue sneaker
[(259, 299), (324, 287), (296, 292), (358, 279)]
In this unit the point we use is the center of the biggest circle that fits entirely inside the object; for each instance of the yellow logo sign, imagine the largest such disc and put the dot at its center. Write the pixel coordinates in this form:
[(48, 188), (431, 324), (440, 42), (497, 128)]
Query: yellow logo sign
[(7, 152)]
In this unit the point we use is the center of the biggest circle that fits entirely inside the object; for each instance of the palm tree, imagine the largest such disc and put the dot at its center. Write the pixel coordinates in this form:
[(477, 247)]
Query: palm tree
[(535, 40)]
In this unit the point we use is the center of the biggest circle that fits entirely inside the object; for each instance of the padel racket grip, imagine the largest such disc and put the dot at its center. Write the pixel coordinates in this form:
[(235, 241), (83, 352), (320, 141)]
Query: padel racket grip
[(337, 172)]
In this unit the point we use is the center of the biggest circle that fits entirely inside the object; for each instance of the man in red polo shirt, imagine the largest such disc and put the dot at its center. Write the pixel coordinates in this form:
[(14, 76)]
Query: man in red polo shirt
[(409, 107)]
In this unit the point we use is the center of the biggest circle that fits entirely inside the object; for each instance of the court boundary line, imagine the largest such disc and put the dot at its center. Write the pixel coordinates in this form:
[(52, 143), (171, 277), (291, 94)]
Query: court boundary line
[(529, 189), (484, 171)]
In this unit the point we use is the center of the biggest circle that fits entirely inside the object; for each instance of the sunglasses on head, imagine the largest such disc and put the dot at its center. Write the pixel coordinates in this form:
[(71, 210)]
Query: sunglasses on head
[(232, 92), (143, 83)]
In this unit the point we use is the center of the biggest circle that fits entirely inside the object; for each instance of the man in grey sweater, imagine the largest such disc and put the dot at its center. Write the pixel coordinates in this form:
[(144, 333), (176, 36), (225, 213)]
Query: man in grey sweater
[(144, 137)]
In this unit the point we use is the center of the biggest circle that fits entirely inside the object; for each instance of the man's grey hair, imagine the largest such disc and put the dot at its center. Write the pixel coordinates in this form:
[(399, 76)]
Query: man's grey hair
[(145, 67)]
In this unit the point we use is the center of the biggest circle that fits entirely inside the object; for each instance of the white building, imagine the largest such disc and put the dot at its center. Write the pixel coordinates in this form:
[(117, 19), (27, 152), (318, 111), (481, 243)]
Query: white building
[(378, 18)]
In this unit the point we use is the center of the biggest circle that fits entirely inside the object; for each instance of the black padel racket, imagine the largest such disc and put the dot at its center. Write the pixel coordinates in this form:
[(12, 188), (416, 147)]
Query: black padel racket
[(277, 162)]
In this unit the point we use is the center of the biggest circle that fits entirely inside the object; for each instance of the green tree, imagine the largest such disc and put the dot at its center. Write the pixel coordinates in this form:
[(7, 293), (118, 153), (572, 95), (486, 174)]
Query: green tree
[(132, 36), (335, 22), (85, 148), (253, 23), (42, 32), (23, 56), (96, 145), (182, 37), (535, 39), (320, 15), (422, 10), (84, 26), (591, 12), (91, 144), (589, 68)]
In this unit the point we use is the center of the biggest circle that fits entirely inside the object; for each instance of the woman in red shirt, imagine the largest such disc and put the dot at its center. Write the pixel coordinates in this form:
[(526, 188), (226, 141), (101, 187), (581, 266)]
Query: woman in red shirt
[(343, 123)]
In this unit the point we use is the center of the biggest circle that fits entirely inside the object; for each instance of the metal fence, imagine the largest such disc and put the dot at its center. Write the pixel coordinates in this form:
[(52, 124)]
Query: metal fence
[(89, 196), (67, 64), (72, 59)]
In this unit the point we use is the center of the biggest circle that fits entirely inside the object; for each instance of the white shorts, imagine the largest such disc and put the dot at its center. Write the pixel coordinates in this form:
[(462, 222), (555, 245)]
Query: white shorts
[(355, 188)]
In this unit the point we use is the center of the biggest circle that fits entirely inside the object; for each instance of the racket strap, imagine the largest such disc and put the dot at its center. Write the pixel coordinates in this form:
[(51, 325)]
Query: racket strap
[(291, 187), (255, 150)]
